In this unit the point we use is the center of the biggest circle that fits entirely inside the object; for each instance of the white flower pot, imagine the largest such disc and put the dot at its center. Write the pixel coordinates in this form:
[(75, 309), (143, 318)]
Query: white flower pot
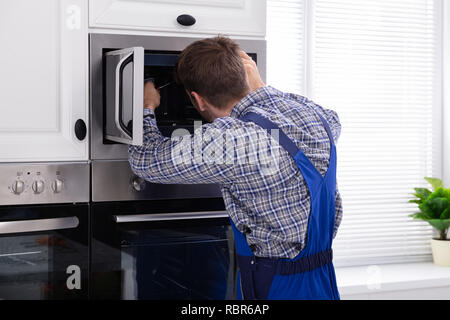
[(441, 252)]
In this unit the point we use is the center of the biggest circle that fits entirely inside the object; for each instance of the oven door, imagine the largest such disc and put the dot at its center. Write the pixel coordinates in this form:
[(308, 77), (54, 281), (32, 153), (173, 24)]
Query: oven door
[(124, 74), (162, 255), (44, 252)]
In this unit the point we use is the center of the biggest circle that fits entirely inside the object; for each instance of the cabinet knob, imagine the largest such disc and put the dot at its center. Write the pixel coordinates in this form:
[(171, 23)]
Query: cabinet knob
[(80, 129), (186, 20)]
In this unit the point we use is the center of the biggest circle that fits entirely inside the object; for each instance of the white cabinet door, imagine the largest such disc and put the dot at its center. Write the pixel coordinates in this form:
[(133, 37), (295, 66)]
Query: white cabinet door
[(228, 17), (43, 81)]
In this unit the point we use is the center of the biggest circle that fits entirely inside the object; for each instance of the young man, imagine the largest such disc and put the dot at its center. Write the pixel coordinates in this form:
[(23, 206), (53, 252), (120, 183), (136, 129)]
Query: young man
[(279, 186)]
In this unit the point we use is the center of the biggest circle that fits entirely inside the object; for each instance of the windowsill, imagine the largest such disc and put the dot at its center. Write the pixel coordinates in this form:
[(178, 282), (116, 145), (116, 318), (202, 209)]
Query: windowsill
[(368, 280)]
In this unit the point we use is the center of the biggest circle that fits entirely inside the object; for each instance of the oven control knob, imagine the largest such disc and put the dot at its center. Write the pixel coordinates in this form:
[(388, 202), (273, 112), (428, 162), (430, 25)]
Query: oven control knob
[(38, 186), (57, 186), (18, 187), (138, 184)]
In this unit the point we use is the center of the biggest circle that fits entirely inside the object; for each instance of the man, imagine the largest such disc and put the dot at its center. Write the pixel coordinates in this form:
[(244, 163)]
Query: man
[(284, 206)]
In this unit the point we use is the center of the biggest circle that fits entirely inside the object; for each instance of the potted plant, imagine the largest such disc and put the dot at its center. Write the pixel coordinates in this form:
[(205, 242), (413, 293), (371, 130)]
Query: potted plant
[(434, 208)]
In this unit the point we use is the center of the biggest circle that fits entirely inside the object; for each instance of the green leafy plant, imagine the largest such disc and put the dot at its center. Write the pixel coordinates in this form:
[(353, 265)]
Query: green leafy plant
[(434, 206)]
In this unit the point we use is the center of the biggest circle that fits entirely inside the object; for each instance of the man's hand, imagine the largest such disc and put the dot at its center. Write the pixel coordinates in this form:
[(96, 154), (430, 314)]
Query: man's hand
[(253, 77), (151, 96)]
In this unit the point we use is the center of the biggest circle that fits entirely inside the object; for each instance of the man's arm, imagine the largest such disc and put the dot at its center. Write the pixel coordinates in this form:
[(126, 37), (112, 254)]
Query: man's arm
[(187, 159), (175, 160)]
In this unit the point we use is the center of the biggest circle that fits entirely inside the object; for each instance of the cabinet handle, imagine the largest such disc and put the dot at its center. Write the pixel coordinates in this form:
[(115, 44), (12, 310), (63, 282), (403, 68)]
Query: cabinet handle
[(186, 20)]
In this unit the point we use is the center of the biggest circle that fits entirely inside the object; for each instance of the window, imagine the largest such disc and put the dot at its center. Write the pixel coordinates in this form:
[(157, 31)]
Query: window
[(286, 45), (378, 64)]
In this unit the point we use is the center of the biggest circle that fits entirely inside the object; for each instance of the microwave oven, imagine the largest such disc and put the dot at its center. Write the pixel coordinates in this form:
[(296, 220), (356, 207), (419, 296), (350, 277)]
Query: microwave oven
[(119, 66)]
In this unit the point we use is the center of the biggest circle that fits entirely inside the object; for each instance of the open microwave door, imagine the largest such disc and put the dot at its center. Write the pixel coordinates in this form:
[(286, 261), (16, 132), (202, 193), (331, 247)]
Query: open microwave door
[(124, 85)]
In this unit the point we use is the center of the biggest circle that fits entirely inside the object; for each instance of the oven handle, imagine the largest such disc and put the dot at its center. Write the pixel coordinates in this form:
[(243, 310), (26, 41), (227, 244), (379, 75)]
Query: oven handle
[(170, 216), (23, 226), (119, 106)]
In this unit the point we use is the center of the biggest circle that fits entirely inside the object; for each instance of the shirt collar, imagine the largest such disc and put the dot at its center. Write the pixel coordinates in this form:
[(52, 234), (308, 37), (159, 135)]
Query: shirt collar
[(256, 97)]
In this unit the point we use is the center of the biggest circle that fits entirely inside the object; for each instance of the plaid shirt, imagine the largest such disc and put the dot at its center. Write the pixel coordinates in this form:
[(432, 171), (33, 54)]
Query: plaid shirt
[(270, 206)]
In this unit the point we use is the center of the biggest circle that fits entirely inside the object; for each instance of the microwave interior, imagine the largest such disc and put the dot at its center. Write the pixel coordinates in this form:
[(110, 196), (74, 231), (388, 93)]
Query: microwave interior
[(175, 109)]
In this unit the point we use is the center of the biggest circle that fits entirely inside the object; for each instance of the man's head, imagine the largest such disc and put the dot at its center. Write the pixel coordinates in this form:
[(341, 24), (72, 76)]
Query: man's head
[(213, 75)]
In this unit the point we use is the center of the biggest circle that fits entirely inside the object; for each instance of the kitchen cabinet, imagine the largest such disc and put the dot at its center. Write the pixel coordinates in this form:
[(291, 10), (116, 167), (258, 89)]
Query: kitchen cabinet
[(44, 80), (227, 17)]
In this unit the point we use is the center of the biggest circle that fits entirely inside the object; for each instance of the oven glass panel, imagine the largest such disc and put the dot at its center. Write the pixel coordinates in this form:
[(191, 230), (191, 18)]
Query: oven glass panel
[(127, 95), (179, 262), (44, 265), (25, 263)]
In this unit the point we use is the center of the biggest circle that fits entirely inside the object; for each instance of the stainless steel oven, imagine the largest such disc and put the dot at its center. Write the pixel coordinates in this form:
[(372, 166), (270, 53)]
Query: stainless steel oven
[(151, 241), (44, 231), (119, 64), (161, 249)]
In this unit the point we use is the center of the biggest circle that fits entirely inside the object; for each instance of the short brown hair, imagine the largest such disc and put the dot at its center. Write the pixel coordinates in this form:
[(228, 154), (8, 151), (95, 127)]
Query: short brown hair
[(213, 68)]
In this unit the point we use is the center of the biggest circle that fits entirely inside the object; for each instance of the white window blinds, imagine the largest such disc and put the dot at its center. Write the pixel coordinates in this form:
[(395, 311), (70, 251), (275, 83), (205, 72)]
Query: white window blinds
[(286, 45), (377, 63)]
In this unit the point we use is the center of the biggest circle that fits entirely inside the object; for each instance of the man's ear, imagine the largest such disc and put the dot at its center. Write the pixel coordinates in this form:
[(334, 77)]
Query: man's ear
[(199, 100)]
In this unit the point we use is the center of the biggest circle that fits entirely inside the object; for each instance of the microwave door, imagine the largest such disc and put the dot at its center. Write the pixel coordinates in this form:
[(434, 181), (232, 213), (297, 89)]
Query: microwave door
[(124, 85)]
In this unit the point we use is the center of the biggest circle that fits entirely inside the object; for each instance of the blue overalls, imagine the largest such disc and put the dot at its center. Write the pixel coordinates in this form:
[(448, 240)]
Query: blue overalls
[(310, 275)]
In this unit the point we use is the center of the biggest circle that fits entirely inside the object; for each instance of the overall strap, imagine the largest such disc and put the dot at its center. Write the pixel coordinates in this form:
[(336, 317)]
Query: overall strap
[(263, 122), (305, 165), (327, 128), (285, 141)]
